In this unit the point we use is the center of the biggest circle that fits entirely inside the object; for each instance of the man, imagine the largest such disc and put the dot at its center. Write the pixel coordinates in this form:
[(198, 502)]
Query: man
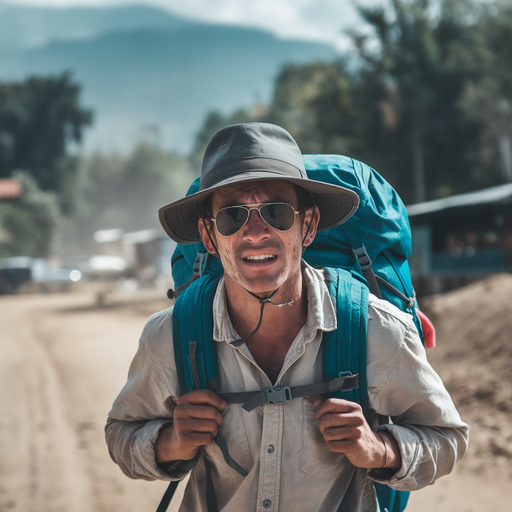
[(257, 211)]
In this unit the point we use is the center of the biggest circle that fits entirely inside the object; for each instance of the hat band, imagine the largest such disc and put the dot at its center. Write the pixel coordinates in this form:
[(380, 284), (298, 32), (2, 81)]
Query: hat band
[(275, 168)]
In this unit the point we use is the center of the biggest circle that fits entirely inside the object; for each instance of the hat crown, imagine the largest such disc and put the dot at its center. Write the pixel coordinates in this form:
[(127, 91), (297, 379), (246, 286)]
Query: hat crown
[(249, 153), (250, 141)]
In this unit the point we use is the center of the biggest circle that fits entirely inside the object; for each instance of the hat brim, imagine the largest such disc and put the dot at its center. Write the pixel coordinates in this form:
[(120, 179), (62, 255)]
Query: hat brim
[(180, 218)]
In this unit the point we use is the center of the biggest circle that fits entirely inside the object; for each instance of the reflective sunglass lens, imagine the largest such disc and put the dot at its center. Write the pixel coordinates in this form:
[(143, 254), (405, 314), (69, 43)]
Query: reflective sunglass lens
[(280, 216), (230, 220)]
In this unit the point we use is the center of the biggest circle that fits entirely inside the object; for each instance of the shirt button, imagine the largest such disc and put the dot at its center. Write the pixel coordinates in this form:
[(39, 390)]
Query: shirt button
[(267, 504), (270, 449)]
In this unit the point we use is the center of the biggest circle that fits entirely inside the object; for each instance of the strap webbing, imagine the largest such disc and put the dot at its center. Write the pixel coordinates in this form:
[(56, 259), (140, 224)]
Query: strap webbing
[(253, 399), (365, 263), (176, 293), (196, 273), (221, 443), (408, 300), (344, 350), (193, 363), (211, 498), (167, 497), (196, 364)]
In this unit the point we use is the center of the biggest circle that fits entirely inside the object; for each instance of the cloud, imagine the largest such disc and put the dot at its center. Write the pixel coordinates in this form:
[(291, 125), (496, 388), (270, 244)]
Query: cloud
[(321, 20)]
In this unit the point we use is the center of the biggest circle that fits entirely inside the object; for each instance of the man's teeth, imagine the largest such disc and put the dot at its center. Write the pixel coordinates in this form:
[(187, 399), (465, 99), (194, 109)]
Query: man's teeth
[(260, 257)]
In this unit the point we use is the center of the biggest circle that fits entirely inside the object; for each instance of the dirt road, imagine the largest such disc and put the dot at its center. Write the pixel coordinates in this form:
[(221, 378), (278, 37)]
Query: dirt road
[(62, 362)]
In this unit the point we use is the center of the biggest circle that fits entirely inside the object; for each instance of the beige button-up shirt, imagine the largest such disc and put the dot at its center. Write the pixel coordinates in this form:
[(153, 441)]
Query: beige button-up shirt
[(290, 468)]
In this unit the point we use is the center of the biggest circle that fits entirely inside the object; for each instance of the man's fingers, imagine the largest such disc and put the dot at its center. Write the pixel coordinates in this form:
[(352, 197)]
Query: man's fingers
[(340, 433), (351, 419), (343, 446), (206, 412), (203, 397), (196, 422), (336, 405), (198, 405), (197, 439), (197, 426)]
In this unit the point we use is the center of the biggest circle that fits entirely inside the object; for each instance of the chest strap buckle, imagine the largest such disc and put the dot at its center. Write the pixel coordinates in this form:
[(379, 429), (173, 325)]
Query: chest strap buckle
[(279, 394)]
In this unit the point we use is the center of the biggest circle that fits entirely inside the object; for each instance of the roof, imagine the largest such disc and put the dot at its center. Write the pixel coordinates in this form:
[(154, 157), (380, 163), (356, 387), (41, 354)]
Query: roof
[(135, 237), (143, 236), (10, 189), (108, 235), (493, 195)]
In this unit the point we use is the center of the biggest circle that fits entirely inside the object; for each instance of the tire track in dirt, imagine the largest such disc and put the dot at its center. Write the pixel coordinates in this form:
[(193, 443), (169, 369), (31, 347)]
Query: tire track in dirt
[(62, 363), (39, 459)]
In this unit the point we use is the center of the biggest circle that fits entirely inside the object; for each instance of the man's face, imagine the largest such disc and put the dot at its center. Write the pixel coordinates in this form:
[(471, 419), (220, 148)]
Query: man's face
[(260, 258)]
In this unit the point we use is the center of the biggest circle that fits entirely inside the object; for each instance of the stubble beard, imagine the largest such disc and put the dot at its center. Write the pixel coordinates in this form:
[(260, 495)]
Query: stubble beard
[(263, 285)]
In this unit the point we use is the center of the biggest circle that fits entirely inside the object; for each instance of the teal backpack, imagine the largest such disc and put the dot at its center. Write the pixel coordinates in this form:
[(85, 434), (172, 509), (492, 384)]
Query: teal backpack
[(367, 253)]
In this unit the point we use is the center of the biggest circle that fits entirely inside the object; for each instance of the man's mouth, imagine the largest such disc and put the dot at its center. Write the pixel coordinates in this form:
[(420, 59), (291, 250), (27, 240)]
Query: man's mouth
[(260, 257)]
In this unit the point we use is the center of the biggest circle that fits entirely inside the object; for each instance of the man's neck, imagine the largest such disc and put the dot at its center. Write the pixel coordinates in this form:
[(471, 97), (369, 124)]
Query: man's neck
[(279, 326)]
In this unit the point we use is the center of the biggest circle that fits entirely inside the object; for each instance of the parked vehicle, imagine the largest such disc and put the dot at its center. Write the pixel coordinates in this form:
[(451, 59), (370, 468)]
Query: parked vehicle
[(34, 274)]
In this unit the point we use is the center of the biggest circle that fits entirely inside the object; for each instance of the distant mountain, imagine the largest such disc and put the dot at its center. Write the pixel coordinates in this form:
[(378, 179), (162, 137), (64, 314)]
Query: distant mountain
[(26, 26), (141, 66)]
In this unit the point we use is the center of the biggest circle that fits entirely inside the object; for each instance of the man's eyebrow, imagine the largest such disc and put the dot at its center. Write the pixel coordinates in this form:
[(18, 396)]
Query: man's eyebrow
[(269, 201)]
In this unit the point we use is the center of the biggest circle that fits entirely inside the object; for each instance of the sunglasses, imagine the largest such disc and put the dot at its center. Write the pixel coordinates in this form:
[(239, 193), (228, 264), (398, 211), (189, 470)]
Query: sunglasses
[(232, 219)]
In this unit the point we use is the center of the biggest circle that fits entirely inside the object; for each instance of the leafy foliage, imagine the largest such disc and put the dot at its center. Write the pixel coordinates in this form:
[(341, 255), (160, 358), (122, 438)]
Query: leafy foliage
[(417, 77), (29, 226), (487, 97), (315, 102), (39, 119), (429, 105)]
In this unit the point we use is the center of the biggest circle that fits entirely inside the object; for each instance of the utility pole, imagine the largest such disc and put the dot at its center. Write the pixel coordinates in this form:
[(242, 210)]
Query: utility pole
[(418, 164), (506, 161), (504, 111)]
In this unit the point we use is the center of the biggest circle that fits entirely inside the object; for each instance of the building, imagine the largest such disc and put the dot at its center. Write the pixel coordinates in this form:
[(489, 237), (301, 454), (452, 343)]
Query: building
[(461, 238), (147, 252)]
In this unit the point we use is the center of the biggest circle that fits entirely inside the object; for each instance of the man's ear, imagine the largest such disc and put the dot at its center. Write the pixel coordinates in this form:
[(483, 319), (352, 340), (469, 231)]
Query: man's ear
[(204, 236), (311, 219)]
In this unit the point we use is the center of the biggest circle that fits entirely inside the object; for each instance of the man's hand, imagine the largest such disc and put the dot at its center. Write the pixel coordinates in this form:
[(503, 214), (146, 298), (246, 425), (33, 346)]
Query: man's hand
[(196, 421), (345, 430)]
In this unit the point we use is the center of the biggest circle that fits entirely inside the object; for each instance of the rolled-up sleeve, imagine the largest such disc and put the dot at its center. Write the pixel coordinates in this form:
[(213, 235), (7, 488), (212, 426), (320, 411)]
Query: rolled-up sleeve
[(146, 403), (402, 385)]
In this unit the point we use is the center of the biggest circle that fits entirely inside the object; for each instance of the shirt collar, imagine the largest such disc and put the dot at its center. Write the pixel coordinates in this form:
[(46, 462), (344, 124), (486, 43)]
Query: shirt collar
[(321, 312)]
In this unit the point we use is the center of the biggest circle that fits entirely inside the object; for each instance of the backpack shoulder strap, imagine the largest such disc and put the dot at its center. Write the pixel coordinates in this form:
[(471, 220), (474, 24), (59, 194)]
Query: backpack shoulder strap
[(344, 349), (194, 348)]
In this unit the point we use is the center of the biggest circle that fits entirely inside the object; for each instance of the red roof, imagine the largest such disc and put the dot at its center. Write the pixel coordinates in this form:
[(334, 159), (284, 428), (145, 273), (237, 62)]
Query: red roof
[(10, 189)]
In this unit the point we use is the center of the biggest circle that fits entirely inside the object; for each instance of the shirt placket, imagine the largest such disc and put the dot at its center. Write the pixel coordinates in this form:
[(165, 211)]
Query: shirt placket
[(272, 444), (270, 458)]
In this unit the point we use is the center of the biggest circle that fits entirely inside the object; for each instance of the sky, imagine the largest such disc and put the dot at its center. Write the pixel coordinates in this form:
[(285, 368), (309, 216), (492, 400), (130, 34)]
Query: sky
[(318, 20)]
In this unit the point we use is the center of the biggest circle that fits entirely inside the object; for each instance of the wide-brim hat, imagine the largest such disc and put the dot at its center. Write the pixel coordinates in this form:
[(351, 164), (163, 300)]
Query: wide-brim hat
[(250, 153)]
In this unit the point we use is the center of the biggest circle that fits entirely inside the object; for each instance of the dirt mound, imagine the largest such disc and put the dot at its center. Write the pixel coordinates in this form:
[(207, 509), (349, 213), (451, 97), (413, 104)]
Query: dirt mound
[(474, 358)]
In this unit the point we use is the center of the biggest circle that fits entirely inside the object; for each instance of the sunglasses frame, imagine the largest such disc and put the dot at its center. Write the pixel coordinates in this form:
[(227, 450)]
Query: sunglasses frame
[(249, 208)]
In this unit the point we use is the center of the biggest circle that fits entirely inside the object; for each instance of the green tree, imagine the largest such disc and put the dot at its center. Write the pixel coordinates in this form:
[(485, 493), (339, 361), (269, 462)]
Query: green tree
[(31, 224), (316, 104), (413, 81), (40, 118), (488, 95), (428, 104)]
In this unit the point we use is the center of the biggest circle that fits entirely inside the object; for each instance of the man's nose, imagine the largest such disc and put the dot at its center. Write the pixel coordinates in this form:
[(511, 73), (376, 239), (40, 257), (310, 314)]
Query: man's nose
[(256, 229)]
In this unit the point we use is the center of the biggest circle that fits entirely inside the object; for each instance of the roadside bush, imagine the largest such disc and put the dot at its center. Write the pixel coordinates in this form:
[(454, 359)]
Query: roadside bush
[(29, 225)]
